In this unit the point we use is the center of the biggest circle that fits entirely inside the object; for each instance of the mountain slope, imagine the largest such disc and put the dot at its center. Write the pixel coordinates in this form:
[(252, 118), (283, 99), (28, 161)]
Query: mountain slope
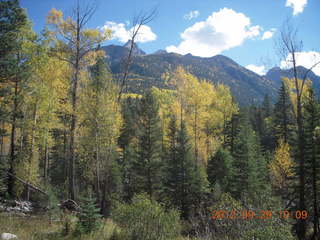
[(148, 70), (275, 74)]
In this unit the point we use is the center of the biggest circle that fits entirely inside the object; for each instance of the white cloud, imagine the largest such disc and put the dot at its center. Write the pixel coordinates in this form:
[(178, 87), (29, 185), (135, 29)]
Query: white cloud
[(268, 34), (120, 33), (191, 14), (260, 70), (305, 59), (221, 31), (297, 5)]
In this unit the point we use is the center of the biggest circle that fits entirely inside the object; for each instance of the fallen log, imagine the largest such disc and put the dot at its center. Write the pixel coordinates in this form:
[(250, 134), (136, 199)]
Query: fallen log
[(28, 184)]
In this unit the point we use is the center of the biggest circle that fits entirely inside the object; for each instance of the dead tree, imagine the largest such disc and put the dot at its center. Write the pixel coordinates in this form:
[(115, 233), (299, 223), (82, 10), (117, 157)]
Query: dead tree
[(73, 45), (289, 48), (138, 21)]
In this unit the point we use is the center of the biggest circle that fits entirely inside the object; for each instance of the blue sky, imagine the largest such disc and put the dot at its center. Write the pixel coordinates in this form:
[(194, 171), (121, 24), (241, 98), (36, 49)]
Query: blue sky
[(243, 30)]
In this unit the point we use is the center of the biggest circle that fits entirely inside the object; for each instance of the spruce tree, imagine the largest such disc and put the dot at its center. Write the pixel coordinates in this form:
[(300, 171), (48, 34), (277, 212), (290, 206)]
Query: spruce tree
[(312, 158), (185, 183), (171, 180), (220, 169), (128, 144), (249, 176), (147, 165), (89, 217), (283, 120), (231, 131), (266, 106)]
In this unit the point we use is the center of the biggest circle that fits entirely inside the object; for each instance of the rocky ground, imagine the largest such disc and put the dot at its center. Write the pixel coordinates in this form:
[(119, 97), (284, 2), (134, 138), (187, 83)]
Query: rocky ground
[(21, 208)]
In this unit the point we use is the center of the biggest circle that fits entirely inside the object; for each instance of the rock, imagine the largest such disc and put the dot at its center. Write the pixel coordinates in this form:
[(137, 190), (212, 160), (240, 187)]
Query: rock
[(8, 236)]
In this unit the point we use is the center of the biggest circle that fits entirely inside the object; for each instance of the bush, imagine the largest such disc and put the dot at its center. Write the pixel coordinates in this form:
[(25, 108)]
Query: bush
[(144, 219), (70, 224)]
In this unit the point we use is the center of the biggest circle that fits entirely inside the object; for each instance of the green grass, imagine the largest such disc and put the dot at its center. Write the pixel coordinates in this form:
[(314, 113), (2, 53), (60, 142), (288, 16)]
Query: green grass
[(40, 228)]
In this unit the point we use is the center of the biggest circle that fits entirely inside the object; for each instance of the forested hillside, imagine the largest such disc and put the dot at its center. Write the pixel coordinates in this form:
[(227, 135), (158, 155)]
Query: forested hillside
[(179, 159), (153, 70)]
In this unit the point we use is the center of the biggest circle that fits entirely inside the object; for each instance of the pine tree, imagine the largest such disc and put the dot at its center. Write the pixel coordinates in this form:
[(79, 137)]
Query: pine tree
[(220, 170), (147, 165)]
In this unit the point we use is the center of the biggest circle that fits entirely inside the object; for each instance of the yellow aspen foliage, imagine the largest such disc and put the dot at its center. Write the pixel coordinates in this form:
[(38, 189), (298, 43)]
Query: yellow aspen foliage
[(290, 84), (281, 167), (205, 108)]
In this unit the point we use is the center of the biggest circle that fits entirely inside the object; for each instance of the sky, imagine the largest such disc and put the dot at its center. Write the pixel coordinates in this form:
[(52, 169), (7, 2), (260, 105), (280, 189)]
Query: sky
[(244, 30)]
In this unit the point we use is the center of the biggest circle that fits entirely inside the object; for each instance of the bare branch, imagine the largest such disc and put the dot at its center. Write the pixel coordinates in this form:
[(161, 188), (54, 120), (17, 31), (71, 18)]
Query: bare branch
[(306, 75), (139, 20)]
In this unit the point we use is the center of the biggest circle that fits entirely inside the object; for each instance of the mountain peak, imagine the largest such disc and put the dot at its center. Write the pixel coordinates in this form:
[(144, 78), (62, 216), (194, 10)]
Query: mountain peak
[(136, 49), (128, 44)]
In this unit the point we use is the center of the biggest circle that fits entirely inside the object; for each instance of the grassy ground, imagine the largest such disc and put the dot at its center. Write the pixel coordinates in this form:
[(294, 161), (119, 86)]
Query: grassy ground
[(41, 228)]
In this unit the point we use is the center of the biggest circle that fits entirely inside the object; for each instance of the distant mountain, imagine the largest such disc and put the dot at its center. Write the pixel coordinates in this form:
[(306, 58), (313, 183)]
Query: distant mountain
[(147, 71), (116, 53), (275, 74)]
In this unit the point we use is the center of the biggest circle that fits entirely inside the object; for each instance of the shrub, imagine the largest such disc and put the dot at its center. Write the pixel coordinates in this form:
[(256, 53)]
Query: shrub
[(145, 219), (70, 224)]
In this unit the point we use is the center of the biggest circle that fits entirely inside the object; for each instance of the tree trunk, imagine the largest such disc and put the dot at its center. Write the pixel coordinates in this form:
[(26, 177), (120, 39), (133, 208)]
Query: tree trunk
[(315, 194), (72, 159), (32, 155), (46, 163), (2, 140), (196, 135), (98, 188), (301, 227), (12, 141)]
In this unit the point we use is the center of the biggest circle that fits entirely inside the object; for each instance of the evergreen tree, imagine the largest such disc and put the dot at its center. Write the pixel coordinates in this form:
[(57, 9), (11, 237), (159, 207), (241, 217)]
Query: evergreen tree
[(89, 217), (185, 183), (171, 180), (147, 165), (12, 19), (262, 125), (128, 144), (250, 166), (283, 120), (266, 107), (312, 158), (220, 170), (15, 56), (231, 131)]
